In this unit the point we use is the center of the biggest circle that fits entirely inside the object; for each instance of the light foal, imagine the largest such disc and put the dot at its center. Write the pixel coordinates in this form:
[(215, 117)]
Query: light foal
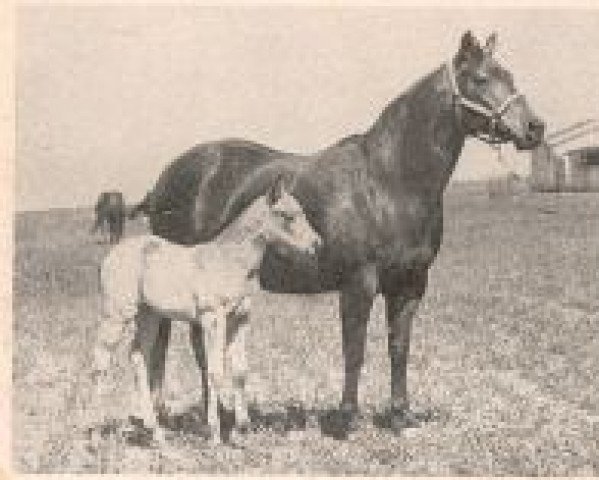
[(145, 279)]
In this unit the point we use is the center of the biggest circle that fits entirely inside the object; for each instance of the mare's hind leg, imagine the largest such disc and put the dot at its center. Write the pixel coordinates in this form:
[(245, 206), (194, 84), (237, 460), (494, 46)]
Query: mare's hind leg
[(355, 302), (145, 338), (196, 336), (158, 364)]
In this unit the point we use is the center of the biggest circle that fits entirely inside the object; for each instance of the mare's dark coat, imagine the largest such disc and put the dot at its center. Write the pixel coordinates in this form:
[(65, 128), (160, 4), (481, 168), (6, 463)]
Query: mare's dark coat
[(375, 198)]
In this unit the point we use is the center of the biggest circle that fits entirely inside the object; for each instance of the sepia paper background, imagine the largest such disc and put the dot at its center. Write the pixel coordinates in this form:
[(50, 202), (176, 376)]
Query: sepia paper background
[(278, 128)]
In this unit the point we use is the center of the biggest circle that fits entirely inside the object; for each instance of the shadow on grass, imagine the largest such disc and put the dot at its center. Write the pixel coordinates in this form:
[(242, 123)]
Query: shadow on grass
[(416, 417), (287, 418), (291, 417)]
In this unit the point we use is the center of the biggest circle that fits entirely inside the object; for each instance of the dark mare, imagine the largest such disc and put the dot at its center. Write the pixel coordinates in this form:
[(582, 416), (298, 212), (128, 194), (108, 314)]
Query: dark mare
[(110, 212), (375, 198)]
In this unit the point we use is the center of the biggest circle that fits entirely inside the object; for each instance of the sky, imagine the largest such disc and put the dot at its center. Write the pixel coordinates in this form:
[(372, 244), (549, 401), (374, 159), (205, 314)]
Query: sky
[(107, 96)]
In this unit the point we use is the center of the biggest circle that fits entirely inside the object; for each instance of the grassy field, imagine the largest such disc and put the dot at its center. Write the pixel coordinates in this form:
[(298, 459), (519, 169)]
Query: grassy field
[(505, 349)]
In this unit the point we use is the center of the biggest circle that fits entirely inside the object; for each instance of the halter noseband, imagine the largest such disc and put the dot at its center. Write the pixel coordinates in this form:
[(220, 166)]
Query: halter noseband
[(494, 115)]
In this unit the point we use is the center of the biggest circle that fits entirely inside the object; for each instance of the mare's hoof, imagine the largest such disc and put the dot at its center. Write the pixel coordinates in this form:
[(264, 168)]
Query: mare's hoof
[(402, 419), (398, 419), (338, 424), (142, 435)]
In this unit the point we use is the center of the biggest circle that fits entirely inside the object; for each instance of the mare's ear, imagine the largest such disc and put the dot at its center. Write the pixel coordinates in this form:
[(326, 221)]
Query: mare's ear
[(276, 190), (469, 47), (491, 43)]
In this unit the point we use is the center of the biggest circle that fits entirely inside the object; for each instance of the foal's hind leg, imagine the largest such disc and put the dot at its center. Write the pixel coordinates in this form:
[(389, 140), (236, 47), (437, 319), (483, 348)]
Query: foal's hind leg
[(145, 337)]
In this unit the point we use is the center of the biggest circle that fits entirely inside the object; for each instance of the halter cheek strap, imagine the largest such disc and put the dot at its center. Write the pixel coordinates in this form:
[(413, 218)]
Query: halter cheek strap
[(494, 115)]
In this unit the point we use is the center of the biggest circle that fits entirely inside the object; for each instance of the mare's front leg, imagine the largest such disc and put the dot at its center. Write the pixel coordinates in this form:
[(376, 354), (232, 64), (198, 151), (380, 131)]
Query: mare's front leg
[(356, 301), (402, 303)]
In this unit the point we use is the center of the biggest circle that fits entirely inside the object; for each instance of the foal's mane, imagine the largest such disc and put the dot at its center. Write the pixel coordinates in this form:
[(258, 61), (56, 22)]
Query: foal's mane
[(247, 223), (256, 184)]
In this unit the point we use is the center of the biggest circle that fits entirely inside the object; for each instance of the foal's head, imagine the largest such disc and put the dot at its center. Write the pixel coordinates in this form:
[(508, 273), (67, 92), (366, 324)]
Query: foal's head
[(282, 221), (492, 105)]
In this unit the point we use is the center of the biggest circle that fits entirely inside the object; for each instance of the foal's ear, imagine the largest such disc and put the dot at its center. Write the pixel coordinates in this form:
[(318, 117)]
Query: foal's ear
[(276, 190), (491, 43)]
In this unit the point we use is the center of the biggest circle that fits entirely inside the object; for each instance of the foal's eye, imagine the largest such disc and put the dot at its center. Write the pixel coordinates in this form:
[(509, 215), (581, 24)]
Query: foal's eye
[(286, 217)]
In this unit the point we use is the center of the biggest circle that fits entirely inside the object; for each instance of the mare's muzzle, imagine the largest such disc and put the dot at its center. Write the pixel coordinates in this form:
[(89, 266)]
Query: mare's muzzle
[(529, 135), (533, 136)]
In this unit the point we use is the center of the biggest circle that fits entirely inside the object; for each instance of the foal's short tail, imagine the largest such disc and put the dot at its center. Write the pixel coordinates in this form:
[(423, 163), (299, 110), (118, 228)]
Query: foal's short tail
[(120, 277)]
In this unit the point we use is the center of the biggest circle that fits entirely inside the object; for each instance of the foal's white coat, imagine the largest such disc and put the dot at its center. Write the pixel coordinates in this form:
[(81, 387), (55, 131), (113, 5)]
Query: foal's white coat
[(145, 278)]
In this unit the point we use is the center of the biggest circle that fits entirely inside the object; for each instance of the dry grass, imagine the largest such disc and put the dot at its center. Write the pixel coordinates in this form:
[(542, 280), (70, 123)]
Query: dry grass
[(505, 348)]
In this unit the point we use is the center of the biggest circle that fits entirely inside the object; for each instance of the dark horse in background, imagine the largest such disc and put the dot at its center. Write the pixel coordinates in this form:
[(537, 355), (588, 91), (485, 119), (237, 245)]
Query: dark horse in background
[(376, 199), (110, 214)]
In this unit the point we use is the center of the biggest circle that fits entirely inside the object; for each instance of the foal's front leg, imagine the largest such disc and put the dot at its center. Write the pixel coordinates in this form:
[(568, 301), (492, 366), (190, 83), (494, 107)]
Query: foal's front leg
[(214, 328), (236, 352)]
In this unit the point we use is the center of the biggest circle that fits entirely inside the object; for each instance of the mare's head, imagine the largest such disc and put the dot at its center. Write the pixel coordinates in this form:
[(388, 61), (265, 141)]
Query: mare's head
[(492, 107), (284, 224)]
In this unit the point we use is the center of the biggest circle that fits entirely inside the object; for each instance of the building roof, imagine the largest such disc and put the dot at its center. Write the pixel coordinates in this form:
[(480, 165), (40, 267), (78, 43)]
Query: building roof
[(589, 155)]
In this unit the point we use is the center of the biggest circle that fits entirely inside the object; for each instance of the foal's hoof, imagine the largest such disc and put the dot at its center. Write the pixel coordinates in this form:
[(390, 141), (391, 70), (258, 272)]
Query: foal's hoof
[(158, 436), (243, 428), (215, 440), (238, 433), (215, 437)]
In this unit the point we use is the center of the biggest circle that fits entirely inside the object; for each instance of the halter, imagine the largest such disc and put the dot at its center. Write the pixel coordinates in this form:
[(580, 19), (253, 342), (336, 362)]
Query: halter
[(494, 115)]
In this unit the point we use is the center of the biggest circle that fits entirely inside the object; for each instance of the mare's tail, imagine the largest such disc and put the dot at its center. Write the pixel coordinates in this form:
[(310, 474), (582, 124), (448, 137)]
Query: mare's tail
[(141, 207)]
